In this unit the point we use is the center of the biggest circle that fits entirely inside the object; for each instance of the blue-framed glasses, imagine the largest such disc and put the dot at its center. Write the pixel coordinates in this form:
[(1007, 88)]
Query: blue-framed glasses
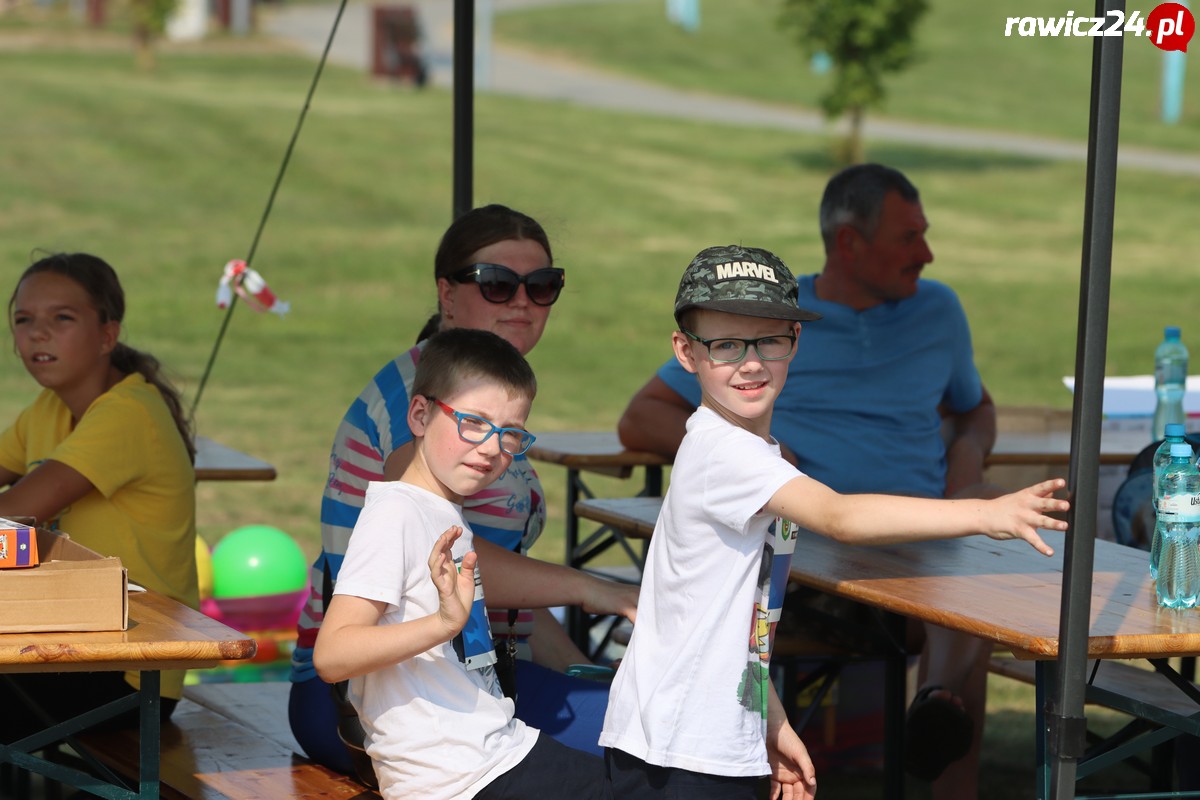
[(731, 351), (477, 430)]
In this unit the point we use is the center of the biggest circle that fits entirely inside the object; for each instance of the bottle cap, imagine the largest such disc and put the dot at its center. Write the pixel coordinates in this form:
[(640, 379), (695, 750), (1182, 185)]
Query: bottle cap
[(1181, 450), (1174, 429), (1171, 332)]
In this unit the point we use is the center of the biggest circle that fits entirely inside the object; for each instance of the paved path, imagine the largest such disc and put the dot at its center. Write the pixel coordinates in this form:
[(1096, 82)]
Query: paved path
[(519, 72)]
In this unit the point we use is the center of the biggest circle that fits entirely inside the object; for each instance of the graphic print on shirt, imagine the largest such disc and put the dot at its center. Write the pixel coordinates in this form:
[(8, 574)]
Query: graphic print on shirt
[(473, 645), (772, 582)]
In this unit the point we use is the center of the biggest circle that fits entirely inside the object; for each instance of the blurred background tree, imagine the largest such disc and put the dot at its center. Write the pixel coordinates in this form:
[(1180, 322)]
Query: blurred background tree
[(862, 40), (149, 22)]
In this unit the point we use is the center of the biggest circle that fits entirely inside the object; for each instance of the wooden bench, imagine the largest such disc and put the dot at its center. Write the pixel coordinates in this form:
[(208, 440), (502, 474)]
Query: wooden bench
[(1154, 703), (1112, 678), (229, 741)]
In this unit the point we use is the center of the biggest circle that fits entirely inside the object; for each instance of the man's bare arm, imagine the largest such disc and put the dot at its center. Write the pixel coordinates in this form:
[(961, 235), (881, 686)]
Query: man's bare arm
[(972, 438), (655, 419)]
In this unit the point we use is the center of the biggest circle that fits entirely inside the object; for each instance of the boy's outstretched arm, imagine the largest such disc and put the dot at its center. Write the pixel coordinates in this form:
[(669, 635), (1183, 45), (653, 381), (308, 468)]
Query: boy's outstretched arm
[(511, 580), (887, 519), (792, 774), (352, 643)]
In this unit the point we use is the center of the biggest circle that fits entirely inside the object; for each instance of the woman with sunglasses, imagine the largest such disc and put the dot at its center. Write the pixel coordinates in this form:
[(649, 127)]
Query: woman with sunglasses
[(493, 271)]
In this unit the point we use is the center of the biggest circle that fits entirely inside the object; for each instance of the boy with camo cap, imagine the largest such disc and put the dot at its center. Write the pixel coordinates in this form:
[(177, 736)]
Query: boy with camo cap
[(692, 709)]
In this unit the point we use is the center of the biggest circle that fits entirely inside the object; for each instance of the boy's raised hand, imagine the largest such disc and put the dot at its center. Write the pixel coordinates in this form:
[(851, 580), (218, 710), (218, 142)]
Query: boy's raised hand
[(1020, 514), (456, 587)]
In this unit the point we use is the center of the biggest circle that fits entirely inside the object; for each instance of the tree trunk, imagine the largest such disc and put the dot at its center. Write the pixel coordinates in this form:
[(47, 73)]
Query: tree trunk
[(848, 150), (143, 37), (855, 152), (143, 50)]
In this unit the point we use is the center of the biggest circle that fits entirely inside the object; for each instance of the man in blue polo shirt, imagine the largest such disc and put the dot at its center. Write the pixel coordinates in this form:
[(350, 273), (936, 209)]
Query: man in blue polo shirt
[(872, 387)]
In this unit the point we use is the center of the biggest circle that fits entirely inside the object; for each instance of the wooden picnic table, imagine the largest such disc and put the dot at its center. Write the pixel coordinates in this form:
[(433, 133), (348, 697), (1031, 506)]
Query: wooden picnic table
[(601, 452), (1028, 442), (162, 634), (1002, 591)]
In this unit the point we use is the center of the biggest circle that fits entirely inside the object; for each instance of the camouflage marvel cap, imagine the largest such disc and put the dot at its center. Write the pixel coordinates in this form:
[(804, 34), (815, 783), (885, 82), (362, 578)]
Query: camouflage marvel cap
[(740, 280)]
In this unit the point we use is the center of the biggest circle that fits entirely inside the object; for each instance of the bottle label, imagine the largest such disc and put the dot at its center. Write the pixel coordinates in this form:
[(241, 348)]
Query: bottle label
[(1172, 373), (1180, 507)]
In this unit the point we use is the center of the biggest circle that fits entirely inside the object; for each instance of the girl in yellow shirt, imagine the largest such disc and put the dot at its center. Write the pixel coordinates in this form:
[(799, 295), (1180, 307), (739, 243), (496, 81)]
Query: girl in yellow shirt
[(104, 453)]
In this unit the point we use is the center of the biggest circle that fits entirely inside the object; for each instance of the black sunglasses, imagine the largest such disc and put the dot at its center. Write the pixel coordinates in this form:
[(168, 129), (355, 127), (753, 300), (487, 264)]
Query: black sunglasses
[(498, 284)]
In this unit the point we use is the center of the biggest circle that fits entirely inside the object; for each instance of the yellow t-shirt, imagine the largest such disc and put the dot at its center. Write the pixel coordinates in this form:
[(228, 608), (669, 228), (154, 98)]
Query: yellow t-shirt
[(143, 509)]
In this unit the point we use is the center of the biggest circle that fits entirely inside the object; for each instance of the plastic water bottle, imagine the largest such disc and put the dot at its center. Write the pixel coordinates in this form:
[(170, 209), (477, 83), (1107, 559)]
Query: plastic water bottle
[(1162, 459), (1170, 380), (1162, 464), (1178, 526)]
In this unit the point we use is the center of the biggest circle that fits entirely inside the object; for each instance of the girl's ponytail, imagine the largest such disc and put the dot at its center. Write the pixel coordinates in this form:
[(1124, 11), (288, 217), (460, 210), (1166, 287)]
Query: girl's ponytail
[(128, 361)]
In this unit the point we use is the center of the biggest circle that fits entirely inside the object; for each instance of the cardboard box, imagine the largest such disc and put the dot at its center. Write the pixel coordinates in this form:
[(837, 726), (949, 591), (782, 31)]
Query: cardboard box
[(73, 589)]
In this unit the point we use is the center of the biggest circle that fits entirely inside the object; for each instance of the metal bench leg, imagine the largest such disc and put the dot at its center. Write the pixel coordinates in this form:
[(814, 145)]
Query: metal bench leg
[(895, 688), (149, 736)]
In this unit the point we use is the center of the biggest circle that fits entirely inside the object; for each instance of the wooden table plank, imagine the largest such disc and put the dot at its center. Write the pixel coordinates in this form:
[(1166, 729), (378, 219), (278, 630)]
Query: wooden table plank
[(590, 450), (210, 756), (633, 516), (216, 462), (1004, 591), (162, 634), (1038, 448)]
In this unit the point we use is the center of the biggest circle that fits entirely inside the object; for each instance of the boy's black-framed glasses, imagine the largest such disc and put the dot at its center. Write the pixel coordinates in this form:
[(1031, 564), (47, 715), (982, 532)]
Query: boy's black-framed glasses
[(477, 430), (731, 351), (498, 284)]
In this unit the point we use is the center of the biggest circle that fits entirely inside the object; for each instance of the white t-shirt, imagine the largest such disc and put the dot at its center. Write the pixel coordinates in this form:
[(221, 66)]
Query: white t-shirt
[(438, 725), (691, 690)]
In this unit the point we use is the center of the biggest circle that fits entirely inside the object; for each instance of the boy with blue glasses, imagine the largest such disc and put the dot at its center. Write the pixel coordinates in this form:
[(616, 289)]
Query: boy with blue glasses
[(407, 624), (692, 712)]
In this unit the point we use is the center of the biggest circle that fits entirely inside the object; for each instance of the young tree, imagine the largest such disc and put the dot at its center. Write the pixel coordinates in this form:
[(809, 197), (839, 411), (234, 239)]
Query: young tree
[(864, 40), (149, 20)]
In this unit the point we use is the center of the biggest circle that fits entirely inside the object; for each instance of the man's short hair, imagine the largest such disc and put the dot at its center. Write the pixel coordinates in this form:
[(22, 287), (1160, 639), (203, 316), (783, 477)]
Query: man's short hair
[(452, 357), (855, 197)]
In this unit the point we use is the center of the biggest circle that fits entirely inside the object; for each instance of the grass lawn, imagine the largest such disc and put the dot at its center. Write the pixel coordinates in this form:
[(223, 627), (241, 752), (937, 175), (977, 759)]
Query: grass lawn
[(166, 175), (968, 73), (1007, 769)]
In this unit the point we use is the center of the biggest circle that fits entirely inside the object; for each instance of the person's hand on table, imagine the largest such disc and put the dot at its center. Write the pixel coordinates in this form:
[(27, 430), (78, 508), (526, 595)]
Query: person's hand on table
[(1020, 514)]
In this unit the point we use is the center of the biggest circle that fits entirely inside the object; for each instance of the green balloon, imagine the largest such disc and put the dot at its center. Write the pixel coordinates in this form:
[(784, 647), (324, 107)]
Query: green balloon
[(257, 560)]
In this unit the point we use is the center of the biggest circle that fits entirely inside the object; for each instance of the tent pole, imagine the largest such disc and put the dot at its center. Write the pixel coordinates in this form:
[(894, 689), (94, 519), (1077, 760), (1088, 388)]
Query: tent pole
[(1065, 721), (464, 104)]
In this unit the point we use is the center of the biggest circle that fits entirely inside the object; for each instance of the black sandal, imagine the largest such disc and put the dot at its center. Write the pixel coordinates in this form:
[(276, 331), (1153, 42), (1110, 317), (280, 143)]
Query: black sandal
[(937, 733)]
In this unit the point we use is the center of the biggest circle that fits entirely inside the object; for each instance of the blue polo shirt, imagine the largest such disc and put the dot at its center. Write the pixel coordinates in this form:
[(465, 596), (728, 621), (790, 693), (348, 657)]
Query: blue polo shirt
[(860, 409)]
